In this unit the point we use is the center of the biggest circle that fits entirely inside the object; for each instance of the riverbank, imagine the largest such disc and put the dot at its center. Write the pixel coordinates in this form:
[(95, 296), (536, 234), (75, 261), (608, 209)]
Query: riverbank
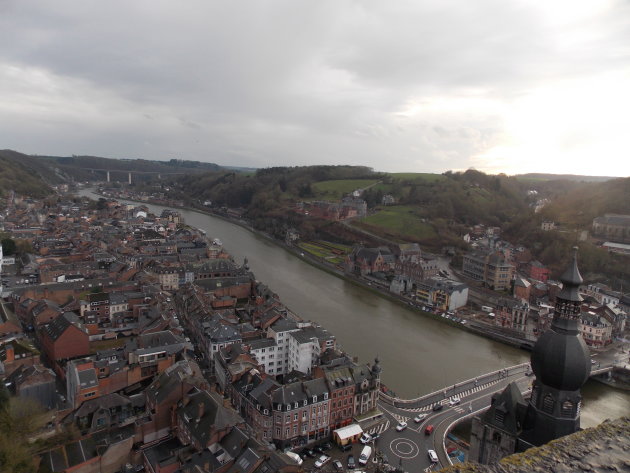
[(483, 330)]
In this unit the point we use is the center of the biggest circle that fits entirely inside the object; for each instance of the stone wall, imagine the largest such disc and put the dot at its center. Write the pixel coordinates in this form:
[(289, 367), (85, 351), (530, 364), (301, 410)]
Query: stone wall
[(605, 448)]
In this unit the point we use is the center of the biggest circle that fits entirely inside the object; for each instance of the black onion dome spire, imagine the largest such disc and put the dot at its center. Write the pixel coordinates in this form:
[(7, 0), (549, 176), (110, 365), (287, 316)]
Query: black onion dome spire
[(560, 357), (571, 280)]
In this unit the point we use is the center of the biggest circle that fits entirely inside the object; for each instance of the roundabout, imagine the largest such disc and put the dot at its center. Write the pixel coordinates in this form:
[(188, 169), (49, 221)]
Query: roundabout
[(404, 448)]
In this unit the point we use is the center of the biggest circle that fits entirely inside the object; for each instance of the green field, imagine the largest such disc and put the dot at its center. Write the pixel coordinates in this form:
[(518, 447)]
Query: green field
[(335, 190), (417, 176), (401, 220), (334, 253)]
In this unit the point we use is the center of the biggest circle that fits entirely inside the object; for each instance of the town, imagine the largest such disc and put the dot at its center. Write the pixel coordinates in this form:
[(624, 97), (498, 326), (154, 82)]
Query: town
[(147, 346)]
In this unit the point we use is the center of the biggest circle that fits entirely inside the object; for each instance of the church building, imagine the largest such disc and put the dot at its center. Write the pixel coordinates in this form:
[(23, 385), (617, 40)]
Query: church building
[(561, 363)]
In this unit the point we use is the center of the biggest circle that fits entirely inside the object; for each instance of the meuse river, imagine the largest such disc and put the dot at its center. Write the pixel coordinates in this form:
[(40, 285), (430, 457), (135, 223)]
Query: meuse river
[(418, 354)]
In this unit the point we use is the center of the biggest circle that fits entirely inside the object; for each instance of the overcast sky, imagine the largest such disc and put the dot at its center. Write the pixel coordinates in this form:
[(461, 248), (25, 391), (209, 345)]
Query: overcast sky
[(400, 86)]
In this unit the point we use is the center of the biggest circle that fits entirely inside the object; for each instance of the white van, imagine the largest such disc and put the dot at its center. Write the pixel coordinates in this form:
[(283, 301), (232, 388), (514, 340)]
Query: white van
[(295, 457), (365, 455)]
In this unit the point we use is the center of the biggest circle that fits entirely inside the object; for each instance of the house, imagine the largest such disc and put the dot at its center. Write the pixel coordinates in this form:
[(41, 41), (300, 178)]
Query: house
[(522, 289), (612, 227), (442, 293), (370, 260), (64, 338), (34, 382), (595, 329), (106, 451), (538, 271), (490, 267), (202, 420)]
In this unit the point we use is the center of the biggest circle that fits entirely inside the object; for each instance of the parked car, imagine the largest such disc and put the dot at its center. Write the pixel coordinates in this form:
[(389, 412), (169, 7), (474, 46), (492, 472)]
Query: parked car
[(365, 438), (429, 429), (338, 466), (351, 462), (321, 461), (437, 407), (419, 418), (455, 400), (433, 456), (309, 452), (401, 426), (375, 435), (346, 447)]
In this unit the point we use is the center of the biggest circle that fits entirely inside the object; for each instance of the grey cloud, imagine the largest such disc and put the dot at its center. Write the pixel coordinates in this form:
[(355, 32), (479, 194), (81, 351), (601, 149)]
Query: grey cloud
[(286, 82)]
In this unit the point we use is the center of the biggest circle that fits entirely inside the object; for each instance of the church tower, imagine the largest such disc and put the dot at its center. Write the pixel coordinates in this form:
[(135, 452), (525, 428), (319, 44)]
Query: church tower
[(560, 360), (561, 363)]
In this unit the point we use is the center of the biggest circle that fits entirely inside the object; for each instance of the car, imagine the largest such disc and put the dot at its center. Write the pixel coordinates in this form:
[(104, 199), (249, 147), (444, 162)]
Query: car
[(419, 418), (365, 438), (321, 461), (319, 449), (326, 446), (309, 452), (401, 426), (429, 429), (437, 407), (433, 456), (338, 466), (455, 400), (346, 447), (351, 462), (593, 361), (375, 436)]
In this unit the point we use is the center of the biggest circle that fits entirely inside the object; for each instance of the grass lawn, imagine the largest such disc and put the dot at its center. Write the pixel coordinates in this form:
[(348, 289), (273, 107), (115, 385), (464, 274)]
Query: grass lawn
[(325, 250), (401, 220), (334, 190)]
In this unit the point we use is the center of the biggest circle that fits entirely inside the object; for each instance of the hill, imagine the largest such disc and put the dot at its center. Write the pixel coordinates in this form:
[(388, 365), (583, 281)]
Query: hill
[(25, 175), (562, 177), (578, 206), (89, 168)]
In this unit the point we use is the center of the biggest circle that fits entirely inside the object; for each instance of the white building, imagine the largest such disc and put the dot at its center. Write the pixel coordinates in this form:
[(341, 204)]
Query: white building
[(280, 332), (266, 353), (305, 347)]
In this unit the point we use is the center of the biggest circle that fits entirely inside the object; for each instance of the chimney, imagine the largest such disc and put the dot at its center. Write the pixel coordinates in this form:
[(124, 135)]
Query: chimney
[(10, 353), (201, 411)]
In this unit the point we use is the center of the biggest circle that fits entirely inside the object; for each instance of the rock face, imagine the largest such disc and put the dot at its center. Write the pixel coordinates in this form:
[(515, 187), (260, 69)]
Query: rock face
[(605, 448)]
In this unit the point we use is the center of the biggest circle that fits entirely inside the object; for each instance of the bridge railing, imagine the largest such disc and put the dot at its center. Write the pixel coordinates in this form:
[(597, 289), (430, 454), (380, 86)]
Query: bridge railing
[(455, 389)]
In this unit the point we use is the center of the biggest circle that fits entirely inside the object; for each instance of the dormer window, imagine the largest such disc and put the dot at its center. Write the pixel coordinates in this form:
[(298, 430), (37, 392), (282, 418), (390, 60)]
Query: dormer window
[(295, 405), (314, 398), (325, 396)]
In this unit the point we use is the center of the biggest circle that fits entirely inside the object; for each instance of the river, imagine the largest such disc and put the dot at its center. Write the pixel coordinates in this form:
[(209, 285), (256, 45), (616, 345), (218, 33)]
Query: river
[(418, 354)]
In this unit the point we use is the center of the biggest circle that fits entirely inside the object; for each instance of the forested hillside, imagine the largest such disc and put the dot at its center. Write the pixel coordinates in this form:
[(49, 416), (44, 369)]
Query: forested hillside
[(24, 175)]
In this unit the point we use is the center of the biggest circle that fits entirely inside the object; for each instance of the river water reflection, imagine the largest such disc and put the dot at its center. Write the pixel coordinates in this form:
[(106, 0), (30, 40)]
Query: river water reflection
[(418, 354)]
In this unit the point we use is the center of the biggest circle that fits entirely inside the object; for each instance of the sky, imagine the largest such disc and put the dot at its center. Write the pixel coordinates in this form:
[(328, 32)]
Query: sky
[(399, 86)]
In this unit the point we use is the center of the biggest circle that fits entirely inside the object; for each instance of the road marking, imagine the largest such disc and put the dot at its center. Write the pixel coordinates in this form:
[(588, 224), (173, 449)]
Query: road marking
[(404, 448)]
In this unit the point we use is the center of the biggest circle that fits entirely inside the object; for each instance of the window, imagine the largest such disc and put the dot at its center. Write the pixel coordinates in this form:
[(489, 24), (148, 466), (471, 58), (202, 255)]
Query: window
[(548, 404), (295, 416), (567, 409)]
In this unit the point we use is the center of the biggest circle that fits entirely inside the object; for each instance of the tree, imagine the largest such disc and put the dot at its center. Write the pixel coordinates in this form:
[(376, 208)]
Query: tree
[(8, 246)]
